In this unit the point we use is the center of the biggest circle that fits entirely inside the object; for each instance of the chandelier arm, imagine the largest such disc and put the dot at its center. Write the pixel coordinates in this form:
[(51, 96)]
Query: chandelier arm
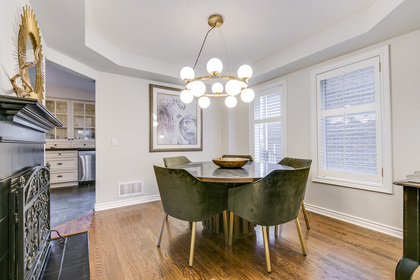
[(215, 95), (226, 77), (202, 45)]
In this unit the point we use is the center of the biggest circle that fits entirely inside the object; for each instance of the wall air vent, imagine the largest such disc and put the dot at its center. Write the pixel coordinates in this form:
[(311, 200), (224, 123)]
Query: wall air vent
[(130, 188)]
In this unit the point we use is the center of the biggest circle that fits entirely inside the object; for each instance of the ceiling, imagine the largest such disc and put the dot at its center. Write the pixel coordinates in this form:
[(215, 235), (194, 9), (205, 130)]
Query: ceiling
[(155, 39)]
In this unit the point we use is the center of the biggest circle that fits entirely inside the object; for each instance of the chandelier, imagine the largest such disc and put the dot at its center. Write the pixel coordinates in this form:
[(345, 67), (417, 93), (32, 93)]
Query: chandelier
[(196, 88)]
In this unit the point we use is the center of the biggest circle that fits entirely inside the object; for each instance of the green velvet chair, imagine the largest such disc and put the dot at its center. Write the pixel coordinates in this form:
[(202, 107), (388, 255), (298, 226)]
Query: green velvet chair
[(297, 163), (239, 156), (172, 161), (186, 198), (273, 200)]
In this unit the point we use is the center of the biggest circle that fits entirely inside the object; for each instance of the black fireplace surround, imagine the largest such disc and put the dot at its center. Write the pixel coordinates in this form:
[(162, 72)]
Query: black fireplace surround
[(24, 187)]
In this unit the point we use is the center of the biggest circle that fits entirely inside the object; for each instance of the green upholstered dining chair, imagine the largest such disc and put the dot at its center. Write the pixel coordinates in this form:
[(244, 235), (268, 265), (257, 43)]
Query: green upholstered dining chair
[(239, 156), (171, 161), (273, 200), (297, 163), (186, 198)]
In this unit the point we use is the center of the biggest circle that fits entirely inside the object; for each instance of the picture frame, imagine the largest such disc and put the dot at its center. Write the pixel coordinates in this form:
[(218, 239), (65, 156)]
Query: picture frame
[(174, 125)]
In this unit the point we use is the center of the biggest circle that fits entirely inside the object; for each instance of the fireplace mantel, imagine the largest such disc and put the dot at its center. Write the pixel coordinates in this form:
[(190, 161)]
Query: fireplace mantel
[(23, 124), (29, 114)]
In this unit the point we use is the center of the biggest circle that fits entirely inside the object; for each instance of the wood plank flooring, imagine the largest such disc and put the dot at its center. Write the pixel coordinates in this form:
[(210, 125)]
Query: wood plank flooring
[(78, 225), (122, 245)]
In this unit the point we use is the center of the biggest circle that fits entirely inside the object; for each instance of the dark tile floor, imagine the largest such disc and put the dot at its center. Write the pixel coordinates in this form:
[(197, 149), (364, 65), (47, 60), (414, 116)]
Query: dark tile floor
[(71, 202), (68, 259)]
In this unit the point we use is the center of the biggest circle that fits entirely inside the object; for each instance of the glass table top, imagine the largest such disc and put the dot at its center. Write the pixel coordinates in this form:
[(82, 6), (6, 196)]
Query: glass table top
[(250, 172)]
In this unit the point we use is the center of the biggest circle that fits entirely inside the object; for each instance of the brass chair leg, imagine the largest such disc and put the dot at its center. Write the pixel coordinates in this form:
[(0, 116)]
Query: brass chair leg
[(225, 227), (231, 228), (276, 230), (302, 244), (165, 216), (194, 227), (306, 216), (267, 252)]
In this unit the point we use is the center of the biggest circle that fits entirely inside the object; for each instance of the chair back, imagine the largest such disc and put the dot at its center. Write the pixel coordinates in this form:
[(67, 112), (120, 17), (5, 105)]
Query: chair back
[(239, 156), (187, 198), (172, 161), (296, 162), (273, 200)]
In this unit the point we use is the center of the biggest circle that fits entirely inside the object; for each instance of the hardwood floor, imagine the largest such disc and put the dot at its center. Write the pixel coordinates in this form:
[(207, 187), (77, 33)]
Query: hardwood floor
[(122, 245), (78, 225)]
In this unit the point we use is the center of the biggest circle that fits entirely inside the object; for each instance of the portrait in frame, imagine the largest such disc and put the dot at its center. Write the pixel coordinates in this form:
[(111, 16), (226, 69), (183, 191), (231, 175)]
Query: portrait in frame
[(174, 126)]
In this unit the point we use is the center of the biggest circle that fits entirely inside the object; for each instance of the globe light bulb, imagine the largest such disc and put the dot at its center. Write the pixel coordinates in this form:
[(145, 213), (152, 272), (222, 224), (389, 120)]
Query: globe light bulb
[(231, 101), (214, 66), (186, 96), (204, 102), (247, 95), (217, 88), (232, 87), (187, 73), (245, 72), (198, 88)]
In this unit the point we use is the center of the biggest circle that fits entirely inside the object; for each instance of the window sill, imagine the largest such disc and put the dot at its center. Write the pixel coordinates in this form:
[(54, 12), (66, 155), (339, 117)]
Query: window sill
[(366, 186)]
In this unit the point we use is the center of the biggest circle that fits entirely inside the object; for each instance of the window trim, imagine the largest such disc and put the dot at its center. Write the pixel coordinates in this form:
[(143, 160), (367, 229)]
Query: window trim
[(385, 186), (264, 89)]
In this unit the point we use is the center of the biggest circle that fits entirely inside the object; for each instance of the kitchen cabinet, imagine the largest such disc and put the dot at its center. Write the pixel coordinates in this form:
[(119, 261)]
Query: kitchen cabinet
[(78, 119), (60, 109), (63, 167)]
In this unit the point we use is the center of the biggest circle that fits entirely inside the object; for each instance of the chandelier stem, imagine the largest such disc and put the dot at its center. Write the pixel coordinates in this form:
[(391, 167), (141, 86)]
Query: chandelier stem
[(202, 45), (222, 39)]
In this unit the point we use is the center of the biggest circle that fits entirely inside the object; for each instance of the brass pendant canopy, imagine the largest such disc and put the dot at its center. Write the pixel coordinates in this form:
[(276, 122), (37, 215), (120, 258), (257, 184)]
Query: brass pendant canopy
[(215, 21)]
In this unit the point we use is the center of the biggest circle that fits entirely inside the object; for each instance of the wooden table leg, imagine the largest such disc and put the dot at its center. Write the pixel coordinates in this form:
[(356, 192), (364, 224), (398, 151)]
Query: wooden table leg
[(411, 240)]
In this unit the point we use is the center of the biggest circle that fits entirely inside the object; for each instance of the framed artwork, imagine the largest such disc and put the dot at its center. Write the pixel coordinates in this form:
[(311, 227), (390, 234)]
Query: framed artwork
[(174, 126)]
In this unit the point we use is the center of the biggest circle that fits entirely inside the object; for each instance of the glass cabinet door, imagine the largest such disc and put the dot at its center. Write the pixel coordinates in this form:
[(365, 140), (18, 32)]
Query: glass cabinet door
[(60, 110), (84, 121)]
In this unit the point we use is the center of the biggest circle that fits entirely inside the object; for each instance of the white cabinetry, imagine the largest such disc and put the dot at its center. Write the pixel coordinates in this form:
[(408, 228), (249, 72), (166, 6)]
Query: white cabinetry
[(63, 167), (78, 119)]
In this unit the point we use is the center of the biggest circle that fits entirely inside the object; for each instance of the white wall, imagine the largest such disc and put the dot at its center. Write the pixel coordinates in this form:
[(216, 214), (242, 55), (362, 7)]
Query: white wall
[(235, 128), (122, 112), (70, 93)]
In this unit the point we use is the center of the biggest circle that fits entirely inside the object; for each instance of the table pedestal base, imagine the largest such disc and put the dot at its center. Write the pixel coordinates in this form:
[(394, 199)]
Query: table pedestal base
[(240, 226)]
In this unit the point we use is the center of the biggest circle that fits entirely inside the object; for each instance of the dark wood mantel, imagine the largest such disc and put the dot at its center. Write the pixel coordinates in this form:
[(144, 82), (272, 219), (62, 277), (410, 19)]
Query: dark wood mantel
[(29, 114), (23, 124)]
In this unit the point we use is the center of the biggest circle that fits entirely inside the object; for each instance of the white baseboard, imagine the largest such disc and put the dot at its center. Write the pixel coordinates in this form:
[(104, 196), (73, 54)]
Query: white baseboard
[(63, 185), (393, 231), (126, 202)]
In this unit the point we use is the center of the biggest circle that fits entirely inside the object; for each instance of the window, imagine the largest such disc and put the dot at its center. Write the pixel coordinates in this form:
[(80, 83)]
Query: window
[(352, 123), (268, 123)]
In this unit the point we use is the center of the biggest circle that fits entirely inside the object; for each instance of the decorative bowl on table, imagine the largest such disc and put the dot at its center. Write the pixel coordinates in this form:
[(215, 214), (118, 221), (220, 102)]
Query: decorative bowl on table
[(230, 162)]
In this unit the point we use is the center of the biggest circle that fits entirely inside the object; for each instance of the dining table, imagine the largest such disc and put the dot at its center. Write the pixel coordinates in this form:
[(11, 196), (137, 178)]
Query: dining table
[(208, 171)]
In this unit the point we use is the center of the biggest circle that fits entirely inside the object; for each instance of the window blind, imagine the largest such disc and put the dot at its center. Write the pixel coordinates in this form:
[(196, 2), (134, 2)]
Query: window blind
[(267, 127), (348, 122)]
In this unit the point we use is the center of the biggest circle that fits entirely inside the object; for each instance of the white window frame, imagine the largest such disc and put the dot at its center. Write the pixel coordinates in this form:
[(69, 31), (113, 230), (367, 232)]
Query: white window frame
[(383, 182), (265, 89)]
